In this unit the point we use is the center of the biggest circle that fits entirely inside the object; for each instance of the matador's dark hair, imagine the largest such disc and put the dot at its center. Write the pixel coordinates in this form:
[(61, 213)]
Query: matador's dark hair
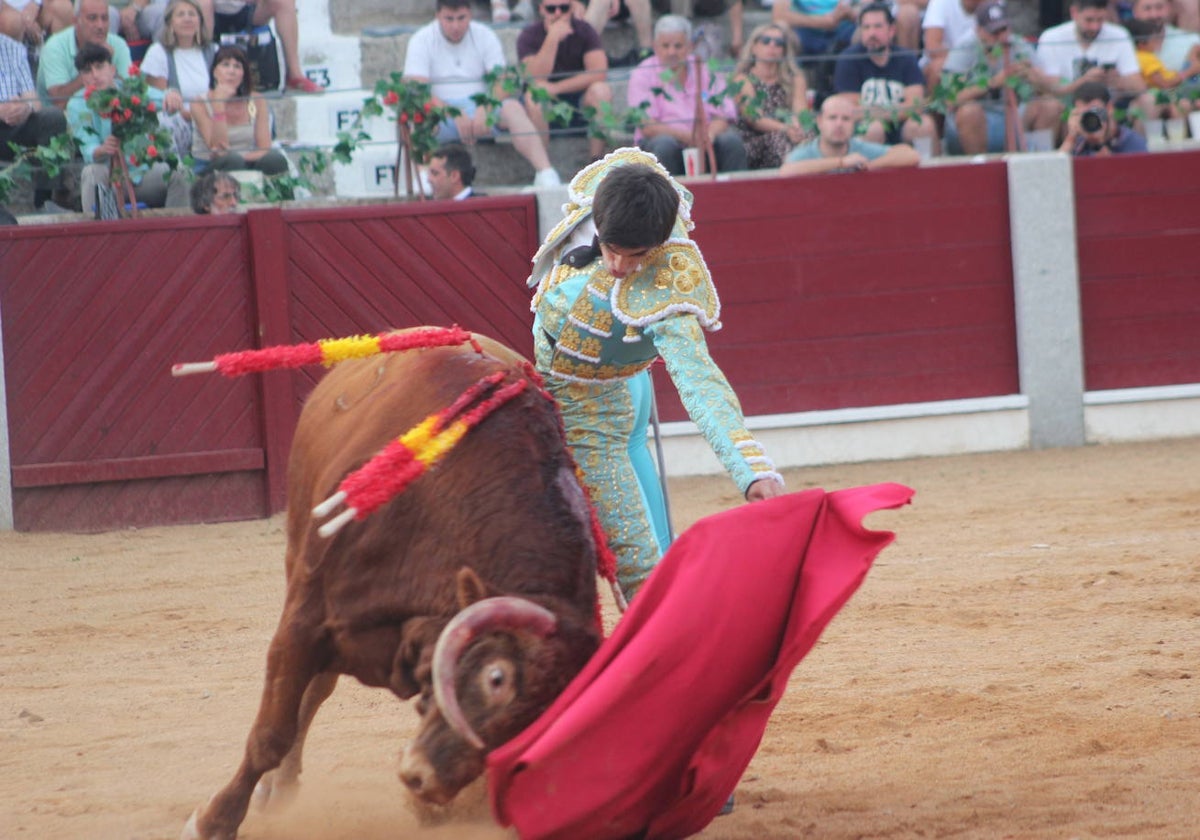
[(635, 207)]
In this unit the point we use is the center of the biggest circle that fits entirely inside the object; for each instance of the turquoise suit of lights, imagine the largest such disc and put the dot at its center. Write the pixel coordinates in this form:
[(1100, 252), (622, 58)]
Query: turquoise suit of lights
[(595, 337)]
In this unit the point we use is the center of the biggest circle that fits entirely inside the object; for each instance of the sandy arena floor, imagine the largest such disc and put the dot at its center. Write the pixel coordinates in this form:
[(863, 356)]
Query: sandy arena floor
[(1023, 662)]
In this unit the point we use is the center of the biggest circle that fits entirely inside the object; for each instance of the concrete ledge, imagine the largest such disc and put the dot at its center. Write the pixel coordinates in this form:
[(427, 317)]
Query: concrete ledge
[(881, 433), (1134, 414)]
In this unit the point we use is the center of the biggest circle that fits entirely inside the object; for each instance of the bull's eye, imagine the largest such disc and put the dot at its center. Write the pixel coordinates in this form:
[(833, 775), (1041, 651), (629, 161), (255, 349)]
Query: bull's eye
[(497, 682)]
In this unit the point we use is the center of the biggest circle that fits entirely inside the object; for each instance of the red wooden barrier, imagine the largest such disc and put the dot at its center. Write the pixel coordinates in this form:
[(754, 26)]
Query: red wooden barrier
[(1138, 222)]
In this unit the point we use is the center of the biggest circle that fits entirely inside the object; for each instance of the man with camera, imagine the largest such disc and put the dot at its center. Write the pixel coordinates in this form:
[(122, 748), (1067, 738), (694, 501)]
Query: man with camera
[(1092, 129)]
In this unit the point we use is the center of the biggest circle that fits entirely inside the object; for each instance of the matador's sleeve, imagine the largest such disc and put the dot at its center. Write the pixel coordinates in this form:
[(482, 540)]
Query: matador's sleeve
[(709, 399)]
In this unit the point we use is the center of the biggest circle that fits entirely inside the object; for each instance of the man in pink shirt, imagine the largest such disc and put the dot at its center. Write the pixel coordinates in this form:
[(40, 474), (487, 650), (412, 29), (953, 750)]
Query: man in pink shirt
[(671, 115)]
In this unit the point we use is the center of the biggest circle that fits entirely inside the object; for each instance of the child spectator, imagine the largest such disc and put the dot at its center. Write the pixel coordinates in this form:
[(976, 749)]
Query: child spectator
[(1148, 37), (156, 185)]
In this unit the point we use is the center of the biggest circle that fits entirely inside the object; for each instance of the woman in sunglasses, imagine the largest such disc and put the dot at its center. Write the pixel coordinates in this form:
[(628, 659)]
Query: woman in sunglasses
[(771, 93)]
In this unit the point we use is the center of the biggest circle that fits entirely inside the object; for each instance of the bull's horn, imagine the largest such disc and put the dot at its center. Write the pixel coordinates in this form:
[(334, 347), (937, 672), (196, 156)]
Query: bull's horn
[(500, 613)]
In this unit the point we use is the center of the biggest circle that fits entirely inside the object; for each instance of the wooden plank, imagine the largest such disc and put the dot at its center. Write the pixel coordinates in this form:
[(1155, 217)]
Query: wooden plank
[(269, 241), (125, 469)]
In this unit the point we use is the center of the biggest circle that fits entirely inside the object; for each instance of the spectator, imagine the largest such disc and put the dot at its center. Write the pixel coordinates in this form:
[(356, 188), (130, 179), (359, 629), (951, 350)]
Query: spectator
[(836, 149), (1089, 49), (138, 20), (232, 123), (23, 119), (178, 64), (156, 185), (671, 114), (771, 96), (1148, 37), (1177, 43), (825, 27), (886, 83), (57, 77), (453, 53), (1093, 130), (565, 57), (32, 21), (599, 12), (947, 24), (238, 16), (216, 193), (451, 173), (976, 124), (712, 34)]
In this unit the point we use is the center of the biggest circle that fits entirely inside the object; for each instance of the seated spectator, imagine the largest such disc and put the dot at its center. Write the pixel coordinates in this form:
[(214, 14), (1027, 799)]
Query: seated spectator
[(837, 149), (32, 21), (1148, 37), (670, 125), (564, 56), (946, 24), (57, 78), (451, 173), (825, 28), (136, 21), (976, 123), (232, 123), (771, 96), (1177, 43), (452, 54), (238, 16), (599, 12), (710, 34), (154, 186), (1092, 128), (23, 119), (216, 193), (178, 64), (886, 83)]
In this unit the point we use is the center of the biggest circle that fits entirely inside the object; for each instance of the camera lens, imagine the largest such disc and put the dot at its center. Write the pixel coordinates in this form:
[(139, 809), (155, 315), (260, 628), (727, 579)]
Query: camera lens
[(1091, 121)]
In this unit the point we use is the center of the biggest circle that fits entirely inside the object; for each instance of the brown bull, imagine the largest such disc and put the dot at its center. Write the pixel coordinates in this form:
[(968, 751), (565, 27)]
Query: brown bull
[(502, 515)]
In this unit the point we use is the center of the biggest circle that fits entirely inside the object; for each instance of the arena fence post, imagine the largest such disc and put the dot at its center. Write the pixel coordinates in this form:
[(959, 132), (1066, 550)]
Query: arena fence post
[(1041, 208)]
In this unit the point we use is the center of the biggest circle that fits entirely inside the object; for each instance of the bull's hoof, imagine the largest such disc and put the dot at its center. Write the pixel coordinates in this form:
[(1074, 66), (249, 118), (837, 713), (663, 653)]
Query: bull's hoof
[(191, 829), (272, 794)]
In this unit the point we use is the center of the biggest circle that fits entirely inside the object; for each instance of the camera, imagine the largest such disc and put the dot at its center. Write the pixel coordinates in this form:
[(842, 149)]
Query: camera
[(1093, 120)]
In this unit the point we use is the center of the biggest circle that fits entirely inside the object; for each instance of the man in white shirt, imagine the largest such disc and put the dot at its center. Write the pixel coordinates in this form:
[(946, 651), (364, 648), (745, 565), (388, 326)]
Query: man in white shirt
[(452, 54), (946, 25), (1090, 49)]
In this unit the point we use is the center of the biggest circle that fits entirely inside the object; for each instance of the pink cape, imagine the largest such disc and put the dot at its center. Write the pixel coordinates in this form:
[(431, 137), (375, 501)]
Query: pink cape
[(654, 734)]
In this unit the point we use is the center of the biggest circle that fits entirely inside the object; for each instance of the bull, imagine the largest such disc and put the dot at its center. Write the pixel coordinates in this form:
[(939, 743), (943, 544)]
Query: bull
[(474, 590)]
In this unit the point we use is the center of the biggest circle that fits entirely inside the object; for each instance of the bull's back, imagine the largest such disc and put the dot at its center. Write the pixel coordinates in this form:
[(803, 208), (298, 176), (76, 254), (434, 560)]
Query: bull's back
[(495, 502)]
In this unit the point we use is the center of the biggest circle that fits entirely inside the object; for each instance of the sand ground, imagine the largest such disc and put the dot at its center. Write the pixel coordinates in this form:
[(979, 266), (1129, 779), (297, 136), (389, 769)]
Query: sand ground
[(1023, 662)]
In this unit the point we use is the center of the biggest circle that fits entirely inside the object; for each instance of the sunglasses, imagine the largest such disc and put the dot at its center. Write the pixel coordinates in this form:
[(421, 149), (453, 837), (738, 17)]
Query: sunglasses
[(767, 40), (552, 8)]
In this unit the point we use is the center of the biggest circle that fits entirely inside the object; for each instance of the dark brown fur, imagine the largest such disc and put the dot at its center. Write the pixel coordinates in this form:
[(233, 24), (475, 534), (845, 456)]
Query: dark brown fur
[(491, 519)]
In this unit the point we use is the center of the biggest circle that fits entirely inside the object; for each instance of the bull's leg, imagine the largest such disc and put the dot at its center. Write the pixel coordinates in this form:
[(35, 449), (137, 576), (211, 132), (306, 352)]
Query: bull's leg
[(292, 663), (279, 786)]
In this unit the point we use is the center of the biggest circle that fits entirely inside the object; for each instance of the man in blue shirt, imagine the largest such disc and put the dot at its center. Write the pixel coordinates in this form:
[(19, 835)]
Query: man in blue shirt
[(836, 149), (888, 84), (1092, 129)]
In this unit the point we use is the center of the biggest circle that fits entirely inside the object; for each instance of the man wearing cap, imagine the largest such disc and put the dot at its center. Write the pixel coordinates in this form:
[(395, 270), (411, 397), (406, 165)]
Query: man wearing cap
[(977, 122), (887, 83)]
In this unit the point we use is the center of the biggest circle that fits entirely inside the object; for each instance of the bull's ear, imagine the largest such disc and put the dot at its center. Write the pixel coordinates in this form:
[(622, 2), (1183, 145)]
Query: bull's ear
[(470, 588)]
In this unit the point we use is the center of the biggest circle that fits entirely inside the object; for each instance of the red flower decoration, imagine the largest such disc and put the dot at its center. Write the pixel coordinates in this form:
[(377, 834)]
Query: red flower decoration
[(403, 117), (151, 151), (136, 100), (88, 92), (418, 117), (133, 159), (128, 113), (150, 107), (134, 69), (392, 98), (428, 107)]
